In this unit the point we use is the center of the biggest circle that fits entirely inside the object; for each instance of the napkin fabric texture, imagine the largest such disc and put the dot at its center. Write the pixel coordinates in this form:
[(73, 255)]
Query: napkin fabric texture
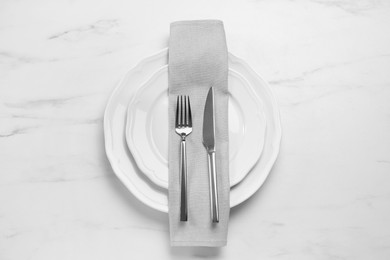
[(198, 59)]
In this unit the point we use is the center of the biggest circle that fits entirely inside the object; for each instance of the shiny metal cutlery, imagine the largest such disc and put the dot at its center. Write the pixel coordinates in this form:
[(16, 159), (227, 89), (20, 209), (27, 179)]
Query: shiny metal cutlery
[(209, 144), (183, 125)]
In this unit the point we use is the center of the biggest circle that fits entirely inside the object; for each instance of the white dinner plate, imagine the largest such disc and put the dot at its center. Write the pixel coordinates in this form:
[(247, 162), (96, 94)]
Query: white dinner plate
[(147, 127), (123, 162)]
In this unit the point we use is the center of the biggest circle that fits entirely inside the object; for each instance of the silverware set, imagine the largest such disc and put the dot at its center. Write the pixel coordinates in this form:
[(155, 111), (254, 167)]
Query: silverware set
[(183, 127)]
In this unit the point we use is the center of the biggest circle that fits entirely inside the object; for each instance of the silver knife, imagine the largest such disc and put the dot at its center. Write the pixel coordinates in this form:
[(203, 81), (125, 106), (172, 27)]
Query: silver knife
[(209, 144)]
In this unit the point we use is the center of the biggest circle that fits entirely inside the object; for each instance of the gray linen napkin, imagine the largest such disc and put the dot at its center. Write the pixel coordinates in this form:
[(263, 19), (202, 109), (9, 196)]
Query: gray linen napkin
[(198, 60)]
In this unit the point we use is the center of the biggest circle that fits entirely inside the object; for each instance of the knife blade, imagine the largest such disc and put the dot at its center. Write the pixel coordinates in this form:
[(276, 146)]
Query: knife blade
[(209, 144)]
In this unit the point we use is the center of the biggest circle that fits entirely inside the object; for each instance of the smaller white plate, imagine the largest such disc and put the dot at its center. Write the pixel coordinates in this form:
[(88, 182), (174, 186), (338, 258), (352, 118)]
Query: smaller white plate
[(147, 127)]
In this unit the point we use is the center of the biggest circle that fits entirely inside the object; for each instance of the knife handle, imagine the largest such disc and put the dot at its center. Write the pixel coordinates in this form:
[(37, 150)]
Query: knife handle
[(183, 181), (213, 188)]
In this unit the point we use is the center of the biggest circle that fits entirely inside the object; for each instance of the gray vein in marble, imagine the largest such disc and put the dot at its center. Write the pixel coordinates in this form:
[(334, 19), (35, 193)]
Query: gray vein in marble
[(99, 27), (102, 226), (57, 180), (44, 102), (362, 200), (281, 253), (345, 63), (274, 224), (14, 234), (383, 161), (61, 179), (17, 131), (92, 121), (37, 104), (82, 121), (353, 7), (12, 133), (139, 227), (9, 57), (329, 93), (373, 197), (326, 67), (287, 80), (66, 121), (322, 248), (28, 129)]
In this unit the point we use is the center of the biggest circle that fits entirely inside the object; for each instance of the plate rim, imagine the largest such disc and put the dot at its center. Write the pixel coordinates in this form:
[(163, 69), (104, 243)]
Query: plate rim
[(164, 208)]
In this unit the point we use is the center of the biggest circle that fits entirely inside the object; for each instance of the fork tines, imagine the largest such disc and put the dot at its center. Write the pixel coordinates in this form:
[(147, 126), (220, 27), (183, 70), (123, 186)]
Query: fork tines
[(183, 112)]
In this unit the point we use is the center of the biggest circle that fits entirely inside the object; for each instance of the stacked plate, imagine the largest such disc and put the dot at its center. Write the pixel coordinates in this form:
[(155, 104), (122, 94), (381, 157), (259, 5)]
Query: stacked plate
[(136, 130)]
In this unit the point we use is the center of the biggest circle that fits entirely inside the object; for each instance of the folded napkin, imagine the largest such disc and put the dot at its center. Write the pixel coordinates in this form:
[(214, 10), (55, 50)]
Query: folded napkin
[(198, 60)]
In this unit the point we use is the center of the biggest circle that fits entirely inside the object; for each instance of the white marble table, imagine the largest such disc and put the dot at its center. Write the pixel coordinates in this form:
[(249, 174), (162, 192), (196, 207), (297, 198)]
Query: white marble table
[(328, 62)]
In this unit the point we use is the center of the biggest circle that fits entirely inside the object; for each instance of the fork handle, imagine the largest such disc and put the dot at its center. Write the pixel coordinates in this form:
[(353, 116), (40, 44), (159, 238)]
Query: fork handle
[(183, 181)]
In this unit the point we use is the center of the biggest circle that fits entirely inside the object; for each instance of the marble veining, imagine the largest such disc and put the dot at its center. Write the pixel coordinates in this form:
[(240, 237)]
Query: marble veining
[(99, 27), (327, 62)]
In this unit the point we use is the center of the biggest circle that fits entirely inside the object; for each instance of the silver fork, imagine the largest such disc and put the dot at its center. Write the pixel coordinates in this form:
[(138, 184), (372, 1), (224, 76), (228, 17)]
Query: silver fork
[(183, 124)]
